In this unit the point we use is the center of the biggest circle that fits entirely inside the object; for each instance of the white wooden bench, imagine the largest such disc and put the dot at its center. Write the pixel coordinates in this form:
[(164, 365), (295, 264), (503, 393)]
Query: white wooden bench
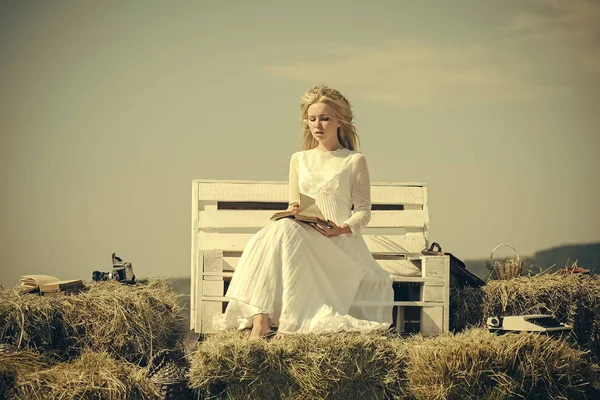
[(225, 215)]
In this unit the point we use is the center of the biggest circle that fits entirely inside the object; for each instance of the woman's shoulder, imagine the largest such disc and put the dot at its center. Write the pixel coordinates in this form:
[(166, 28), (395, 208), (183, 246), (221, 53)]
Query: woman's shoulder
[(356, 155)]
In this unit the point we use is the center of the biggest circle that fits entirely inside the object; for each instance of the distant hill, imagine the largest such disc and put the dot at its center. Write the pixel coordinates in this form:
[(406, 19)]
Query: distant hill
[(586, 255)]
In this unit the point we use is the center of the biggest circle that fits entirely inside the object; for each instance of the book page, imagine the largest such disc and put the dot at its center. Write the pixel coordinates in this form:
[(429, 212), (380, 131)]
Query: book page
[(38, 279), (30, 283), (308, 207)]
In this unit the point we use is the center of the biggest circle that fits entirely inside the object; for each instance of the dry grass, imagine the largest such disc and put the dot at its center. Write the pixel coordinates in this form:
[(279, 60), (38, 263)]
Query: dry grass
[(91, 376), (571, 298), (474, 364), (337, 366), (480, 365), (14, 365), (130, 322)]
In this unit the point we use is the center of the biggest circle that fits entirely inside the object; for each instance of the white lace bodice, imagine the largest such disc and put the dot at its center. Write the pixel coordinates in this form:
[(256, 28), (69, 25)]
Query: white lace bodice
[(336, 180)]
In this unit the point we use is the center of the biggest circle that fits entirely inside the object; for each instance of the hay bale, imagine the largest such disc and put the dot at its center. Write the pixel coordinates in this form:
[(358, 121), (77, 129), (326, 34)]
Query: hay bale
[(91, 376), (571, 298), (474, 364), (15, 365), (480, 365), (336, 366), (343, 365), (130, 322)]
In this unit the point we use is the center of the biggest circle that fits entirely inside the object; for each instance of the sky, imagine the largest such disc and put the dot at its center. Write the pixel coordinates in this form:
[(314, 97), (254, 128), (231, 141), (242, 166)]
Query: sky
[(109, 109)]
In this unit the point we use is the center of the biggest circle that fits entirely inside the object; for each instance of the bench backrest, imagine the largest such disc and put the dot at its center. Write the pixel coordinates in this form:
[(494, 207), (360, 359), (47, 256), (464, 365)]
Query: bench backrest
[(226, 213)]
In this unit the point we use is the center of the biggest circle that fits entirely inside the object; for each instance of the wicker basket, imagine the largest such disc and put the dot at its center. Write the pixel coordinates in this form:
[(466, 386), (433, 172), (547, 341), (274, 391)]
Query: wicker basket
[(167, 372), (507, 269)]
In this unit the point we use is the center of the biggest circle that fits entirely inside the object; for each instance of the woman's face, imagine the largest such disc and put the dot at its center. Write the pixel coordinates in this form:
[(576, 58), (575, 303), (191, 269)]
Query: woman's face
[(323, 123)]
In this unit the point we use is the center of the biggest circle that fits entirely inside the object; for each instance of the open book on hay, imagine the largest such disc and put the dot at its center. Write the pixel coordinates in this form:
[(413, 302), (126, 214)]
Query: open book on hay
[(48, 284), (308, 212)]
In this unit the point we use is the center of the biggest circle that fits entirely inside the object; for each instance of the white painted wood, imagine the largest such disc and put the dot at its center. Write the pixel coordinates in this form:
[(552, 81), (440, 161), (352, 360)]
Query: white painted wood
[(434, 266), (376, 243), (418, 304), (216, 219), (213, 261), (219, 236), (193, 282), (229, 263), (400, 268), (396, 194), (217, 275), (207, 206), (432, 320), (212, 288), (244, 191), (270, 191), (396, 278), (433, 294), (250, 181), (439, 266), (426, 215), (209, 310), (394, 267), (198, 299), (194, 254), (399, 319)]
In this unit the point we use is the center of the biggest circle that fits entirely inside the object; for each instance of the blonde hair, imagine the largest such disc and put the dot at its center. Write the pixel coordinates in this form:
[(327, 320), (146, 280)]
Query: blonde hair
[(346, 132)]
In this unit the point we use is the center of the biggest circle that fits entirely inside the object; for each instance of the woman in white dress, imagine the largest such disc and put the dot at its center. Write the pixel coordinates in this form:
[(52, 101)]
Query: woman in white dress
[(304, 279)]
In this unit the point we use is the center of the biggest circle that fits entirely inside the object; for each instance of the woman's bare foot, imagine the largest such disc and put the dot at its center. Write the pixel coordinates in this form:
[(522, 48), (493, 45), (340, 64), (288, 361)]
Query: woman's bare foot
[(260, 327), (279, 336)]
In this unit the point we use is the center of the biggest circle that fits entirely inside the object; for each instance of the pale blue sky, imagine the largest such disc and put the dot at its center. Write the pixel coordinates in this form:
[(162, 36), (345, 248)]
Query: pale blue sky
[(109, 109)]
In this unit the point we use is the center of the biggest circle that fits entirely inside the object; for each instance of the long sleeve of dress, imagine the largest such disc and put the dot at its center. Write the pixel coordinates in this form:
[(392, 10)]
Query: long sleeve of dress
[(294, 190), (361, 196)]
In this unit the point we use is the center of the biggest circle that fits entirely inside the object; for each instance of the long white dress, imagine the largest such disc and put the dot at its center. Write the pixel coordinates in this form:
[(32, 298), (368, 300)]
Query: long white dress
[(304, 281)]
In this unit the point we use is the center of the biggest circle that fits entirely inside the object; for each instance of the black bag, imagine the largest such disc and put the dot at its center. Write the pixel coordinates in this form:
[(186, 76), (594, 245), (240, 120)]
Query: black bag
[(460, 275)]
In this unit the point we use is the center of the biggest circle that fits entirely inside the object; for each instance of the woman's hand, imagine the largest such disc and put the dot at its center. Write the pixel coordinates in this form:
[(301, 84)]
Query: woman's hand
[(294, 208), (329, 231)]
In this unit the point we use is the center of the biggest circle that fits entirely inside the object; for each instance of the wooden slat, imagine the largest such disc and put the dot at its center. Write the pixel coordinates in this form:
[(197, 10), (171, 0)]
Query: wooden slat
[(379, 183), (397, 279), (432, 320), (194, 255), (400, 268), (396, 194), (209, 310), (227, 191), (396, 303), (197, 282), (417, 304), (381, 192), (375, 243), (397, 268), (252, 205), (194, 262), (260, 218)]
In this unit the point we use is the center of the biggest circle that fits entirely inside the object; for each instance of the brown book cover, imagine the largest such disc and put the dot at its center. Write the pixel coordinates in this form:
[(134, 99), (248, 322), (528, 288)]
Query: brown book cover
[(70, 285), (308, 212)]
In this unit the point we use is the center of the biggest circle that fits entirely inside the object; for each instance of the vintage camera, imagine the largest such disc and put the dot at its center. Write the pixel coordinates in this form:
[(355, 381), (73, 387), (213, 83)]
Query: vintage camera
[(122, 271)]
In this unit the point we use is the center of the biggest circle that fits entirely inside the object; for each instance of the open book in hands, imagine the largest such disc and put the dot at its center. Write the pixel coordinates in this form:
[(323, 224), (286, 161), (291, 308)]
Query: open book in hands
[(307, 212)]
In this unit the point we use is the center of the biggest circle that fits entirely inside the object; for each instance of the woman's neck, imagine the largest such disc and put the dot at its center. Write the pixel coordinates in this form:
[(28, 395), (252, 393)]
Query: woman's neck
[(329, 147)]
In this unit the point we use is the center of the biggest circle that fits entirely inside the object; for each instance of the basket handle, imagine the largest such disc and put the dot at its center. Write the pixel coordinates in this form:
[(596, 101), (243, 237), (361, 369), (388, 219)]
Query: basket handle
[(500, 245), (435, 244)]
